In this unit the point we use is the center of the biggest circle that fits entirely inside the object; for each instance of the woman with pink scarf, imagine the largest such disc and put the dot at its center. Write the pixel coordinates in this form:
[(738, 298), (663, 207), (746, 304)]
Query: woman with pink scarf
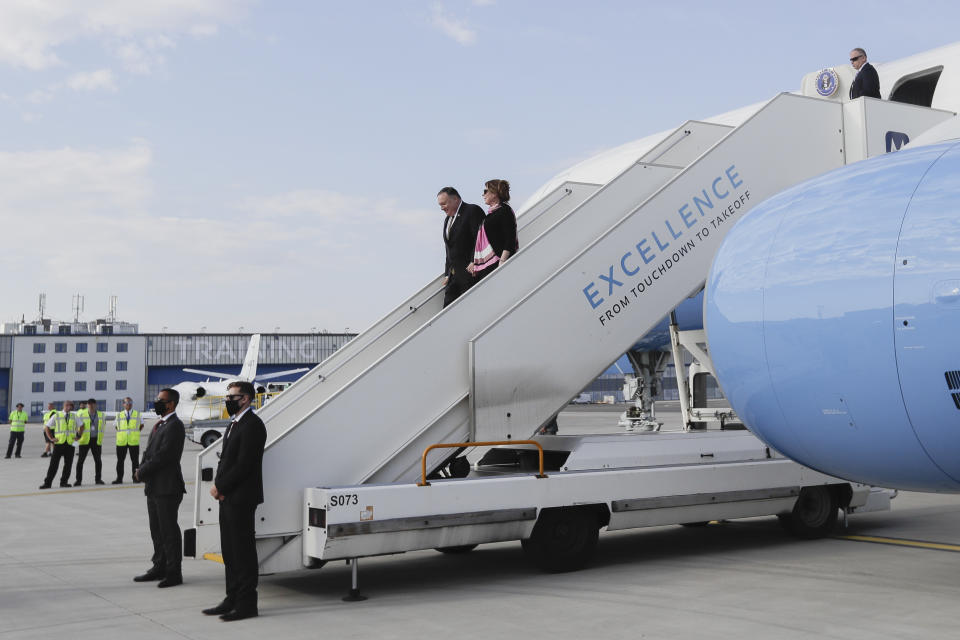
[(497, 238)]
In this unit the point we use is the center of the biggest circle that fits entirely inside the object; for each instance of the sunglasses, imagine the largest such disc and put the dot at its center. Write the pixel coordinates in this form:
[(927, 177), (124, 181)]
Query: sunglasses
[(857, 58)]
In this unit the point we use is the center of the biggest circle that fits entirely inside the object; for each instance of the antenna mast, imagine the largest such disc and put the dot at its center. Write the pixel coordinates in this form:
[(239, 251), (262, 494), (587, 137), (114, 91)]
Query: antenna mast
[(77, 306)]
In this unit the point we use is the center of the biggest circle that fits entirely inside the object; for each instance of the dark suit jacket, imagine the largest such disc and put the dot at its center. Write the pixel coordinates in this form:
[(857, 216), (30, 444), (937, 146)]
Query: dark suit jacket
[(866, 83), (462, 241), (160, 467), (240, 472)]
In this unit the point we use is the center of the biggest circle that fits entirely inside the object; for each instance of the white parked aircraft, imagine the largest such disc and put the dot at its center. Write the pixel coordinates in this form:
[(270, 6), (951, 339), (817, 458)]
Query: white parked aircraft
[(204, 400)]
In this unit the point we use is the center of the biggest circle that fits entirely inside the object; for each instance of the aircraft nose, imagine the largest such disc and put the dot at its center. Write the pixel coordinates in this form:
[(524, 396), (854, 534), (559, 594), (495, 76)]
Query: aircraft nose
[(831, 325)]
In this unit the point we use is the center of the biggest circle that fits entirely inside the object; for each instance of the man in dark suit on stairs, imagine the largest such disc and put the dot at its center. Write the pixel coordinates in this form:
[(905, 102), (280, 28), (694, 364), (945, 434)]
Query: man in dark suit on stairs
[(460, 228), (163, 485), (238, 485), (866, 82)]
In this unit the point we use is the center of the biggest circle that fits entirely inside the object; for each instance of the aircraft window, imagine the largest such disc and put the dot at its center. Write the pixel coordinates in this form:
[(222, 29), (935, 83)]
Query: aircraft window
[(917, 88)]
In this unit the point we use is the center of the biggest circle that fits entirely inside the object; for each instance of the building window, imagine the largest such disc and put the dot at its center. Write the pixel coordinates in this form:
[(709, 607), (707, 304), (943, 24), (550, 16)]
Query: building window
[(60, 347), (59, 367), (102, 347), (36, 408), (59, 386), (118, 406), (81, 347), (101, 405), (79, 366), (37, 387), (79, 385), (101, 365), (39, 347), (101, 385), (121, 347), (39, 367), (121, 365), (121, 385)]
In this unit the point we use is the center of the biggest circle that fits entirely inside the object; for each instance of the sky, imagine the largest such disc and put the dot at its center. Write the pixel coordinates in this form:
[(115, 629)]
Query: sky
[(274, 165)]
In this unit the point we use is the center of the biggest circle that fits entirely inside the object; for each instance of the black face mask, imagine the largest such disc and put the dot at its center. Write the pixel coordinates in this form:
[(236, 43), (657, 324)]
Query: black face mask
[(160, 407), (233, 407)]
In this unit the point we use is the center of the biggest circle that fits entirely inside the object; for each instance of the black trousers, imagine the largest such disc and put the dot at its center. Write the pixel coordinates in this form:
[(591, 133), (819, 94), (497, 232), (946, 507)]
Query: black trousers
[(165, 533), (239, 547), (64, 451), (16, 437), (92, 448), (134, 452), (457, 285)]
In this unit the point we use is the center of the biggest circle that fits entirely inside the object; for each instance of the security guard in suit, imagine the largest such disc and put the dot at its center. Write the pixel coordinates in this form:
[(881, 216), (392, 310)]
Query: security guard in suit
[(62, 429), (90, 440), (128, 426), (18, 423)]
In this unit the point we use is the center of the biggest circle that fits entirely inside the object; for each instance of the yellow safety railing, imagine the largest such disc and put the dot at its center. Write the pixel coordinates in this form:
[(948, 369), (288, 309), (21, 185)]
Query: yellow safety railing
[(457, 445), (209, 404)]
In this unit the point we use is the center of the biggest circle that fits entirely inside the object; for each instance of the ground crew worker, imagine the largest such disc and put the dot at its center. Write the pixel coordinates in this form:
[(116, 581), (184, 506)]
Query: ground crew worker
[(90, 440), (48, 447), (18, 422), (61, 428), (128, 426)]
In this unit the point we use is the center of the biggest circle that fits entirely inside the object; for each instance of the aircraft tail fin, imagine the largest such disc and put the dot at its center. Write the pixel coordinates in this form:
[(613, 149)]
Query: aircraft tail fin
[(249, 370)]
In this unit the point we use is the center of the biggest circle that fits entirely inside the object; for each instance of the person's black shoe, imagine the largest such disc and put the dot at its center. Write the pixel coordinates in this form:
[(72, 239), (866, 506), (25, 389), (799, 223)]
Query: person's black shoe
[(220, 609), (150, 576), (98, 481), (76, 484), (170, 581), (7, 457), (18, 455), (44, 455), (117, 481), (64, 484), (45, 486), (239, 615)]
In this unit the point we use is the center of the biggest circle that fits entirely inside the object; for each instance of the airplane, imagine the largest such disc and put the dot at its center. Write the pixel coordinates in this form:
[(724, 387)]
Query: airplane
[(204, 400), (832, 309)]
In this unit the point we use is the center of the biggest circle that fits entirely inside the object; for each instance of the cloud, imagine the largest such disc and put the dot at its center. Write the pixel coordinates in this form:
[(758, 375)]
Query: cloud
[(451, 27), (88, 221), (92, 80), (331, 206), (31, 31)]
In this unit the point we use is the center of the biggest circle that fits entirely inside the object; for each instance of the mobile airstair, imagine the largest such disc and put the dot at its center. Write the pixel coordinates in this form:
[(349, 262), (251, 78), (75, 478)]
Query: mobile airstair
[(599, 265)]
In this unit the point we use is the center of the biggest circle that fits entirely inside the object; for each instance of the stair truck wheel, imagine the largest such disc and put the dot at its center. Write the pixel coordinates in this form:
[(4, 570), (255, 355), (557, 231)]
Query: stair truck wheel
[(563, 539), (814, 513)]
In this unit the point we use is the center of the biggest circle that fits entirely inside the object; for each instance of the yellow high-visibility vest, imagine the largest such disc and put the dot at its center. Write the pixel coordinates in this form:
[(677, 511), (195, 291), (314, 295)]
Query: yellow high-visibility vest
[(128, 431), (18, 420), (84, 415), (66, 427)]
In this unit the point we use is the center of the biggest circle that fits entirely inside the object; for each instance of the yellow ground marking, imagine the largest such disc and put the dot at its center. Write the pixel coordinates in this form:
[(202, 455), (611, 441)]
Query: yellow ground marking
[(216, 557), (47, 492), (904, 542)]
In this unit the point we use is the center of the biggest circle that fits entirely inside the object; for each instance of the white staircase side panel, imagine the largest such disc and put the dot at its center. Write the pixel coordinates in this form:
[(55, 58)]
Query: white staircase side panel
[(686, 144), (351, 435), (869, 123), (371, 345), (551, 343)]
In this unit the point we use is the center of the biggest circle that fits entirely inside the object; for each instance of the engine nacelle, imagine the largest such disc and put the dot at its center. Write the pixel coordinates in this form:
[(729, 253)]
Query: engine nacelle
[(833, 317)]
